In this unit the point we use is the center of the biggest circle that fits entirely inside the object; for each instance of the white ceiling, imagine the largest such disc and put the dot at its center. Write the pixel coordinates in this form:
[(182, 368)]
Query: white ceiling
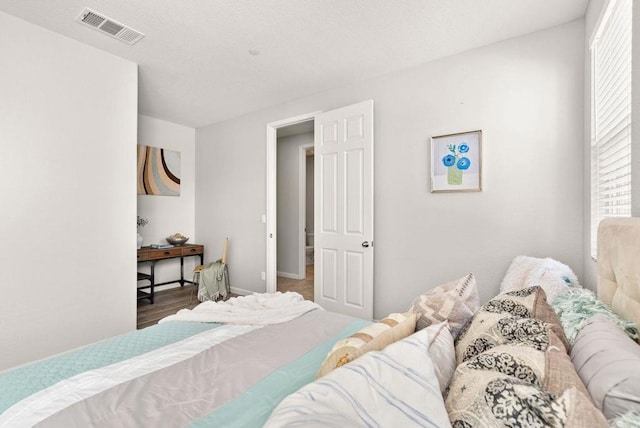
[(195, 67), (298, 128)]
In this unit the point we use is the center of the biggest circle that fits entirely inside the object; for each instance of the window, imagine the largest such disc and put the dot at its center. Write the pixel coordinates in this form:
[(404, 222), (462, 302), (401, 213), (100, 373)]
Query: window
[(611, 116)]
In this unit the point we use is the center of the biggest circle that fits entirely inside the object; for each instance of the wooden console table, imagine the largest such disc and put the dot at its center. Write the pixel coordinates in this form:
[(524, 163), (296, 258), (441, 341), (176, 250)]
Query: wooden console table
[(154, 255)]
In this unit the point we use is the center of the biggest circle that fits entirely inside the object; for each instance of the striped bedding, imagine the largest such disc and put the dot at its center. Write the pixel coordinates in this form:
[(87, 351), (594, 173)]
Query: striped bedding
[(396, 387), (174, 374)]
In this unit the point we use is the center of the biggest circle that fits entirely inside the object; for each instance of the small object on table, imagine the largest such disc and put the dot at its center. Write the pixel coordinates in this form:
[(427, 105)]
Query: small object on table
[(161, 246), (177, 239)]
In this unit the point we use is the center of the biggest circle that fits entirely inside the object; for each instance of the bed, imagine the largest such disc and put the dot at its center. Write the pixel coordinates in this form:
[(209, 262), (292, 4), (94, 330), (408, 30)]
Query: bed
[(277, 361), (177, 373)]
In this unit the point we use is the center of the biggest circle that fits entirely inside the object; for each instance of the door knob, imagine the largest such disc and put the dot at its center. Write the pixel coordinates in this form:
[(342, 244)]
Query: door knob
[(365, 244)]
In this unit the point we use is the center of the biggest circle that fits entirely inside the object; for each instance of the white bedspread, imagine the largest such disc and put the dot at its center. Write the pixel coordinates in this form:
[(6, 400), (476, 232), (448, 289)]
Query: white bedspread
[(255, 309)]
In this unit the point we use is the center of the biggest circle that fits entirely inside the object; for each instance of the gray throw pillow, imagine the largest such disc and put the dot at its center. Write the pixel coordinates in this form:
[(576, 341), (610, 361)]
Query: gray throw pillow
[(608, 362)]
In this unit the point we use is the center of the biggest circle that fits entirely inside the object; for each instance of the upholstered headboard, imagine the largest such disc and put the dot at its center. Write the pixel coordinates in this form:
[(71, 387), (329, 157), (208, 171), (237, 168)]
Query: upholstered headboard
[(619, 266)]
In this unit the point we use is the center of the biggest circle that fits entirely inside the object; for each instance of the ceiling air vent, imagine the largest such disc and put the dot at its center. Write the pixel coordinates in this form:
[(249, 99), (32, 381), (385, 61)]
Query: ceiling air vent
[(109, 26)]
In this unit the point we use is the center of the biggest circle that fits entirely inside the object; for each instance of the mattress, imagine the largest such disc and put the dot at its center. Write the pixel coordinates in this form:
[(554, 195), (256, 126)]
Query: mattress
[(175, 374)]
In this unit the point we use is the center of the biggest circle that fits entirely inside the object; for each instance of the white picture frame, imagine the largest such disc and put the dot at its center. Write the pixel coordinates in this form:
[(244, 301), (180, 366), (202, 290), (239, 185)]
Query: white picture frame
[(456, 162)]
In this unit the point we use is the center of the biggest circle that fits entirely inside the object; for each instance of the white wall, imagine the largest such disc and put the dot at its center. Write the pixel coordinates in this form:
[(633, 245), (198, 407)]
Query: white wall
[(288, 204), (170, 214), (68, 116), (526, 94)]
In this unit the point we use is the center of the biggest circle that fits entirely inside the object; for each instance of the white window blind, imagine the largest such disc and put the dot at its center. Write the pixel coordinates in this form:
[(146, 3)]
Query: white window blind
[(611, 116)]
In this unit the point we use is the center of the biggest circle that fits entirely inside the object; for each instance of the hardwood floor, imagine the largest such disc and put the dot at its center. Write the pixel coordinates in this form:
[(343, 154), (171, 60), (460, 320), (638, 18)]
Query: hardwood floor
[(302, 286), (166, 302)]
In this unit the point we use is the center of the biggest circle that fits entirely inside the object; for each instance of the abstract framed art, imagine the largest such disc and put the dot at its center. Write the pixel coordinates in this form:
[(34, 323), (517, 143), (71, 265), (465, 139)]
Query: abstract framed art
[(456, 162), (158, 171)]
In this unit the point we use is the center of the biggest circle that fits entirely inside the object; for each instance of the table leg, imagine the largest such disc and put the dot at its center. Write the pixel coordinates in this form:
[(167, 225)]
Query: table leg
[(153, 281), (181, 271)]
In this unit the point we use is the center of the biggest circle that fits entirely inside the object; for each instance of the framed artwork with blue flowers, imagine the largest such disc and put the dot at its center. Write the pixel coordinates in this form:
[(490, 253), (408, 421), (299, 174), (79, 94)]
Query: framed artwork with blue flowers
[(456, 162)]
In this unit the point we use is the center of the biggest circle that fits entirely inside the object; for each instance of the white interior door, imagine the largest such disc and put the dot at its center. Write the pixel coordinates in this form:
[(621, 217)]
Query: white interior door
[(343, 278)]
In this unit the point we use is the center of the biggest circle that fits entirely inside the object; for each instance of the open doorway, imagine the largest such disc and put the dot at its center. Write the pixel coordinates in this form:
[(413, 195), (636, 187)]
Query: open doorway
[(343, 212), (295, 210)]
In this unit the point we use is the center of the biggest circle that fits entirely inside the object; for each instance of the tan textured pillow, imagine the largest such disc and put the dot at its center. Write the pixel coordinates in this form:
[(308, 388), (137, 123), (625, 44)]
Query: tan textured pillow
[(374, 337), (560, 371), (455, 301)]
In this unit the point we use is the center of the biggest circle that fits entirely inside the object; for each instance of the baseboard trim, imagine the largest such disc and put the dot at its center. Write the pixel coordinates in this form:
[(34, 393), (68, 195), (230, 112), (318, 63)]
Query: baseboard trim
[(241, 291), (289, 275), (157, 288)]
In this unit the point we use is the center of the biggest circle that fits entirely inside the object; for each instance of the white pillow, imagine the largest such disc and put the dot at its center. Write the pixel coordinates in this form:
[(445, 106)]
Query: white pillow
[(549, 274), (390, 388), (442, 353)]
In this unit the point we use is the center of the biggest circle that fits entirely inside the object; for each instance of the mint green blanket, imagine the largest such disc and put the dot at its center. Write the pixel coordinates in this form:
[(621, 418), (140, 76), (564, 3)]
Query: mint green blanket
[(254, 406), (575, 306), (175, 374), (24, 381)]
